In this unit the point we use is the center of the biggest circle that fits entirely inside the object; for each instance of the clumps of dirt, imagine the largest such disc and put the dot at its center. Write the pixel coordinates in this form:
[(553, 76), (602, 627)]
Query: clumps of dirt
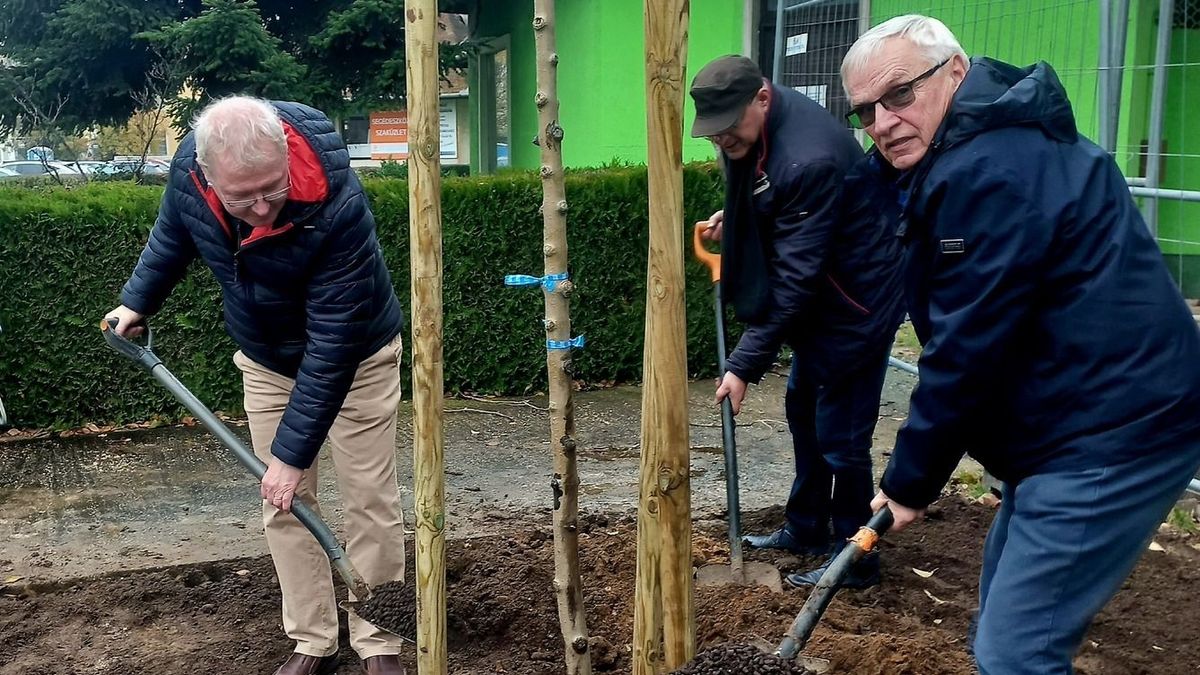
[(502, 615), (739, 659), (392, 607)]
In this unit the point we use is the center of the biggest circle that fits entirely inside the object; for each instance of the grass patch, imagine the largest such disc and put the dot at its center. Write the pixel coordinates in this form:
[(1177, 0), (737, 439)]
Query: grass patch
[(906, 338), (1181, 519), (971, 483)]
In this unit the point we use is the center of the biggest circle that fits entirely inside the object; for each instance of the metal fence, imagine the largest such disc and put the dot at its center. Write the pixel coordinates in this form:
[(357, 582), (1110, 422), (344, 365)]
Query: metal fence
[(1131, 78)]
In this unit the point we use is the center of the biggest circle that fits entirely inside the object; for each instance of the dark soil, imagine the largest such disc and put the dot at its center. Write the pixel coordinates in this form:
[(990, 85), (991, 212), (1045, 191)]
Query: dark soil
[(739, 659), (392, 607), (224, 617)]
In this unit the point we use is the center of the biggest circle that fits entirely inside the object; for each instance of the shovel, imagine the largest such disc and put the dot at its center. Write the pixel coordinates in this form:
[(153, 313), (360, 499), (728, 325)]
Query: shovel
[(364, 607), (862, 543), (739, 571), (734, 657)]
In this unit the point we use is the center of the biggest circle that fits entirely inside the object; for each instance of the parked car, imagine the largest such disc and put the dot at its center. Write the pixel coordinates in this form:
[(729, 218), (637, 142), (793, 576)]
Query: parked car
[(89, 167), (6, 174), (151, 167), (35, 168)]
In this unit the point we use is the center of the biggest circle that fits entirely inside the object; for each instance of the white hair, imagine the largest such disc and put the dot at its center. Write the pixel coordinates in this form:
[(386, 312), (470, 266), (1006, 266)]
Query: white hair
[(244, 132), (935, 41)]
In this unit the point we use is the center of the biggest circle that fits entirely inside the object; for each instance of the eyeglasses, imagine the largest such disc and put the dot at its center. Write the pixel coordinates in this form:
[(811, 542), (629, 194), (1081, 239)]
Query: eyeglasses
[(271, 198), (898, 97)]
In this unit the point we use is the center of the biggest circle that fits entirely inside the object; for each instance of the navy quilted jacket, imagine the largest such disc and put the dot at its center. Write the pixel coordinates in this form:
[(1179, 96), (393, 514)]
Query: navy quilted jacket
[(309, 297)]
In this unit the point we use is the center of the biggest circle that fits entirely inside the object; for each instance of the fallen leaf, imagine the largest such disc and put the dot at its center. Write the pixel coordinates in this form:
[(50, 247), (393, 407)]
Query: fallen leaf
[(13, 579), (242, 573), (922, 573), (937, 622), (935, 599), (989, 500)]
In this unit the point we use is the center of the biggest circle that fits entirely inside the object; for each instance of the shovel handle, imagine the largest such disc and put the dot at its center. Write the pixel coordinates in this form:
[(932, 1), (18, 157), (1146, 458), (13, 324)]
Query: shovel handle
[(710, 260), (860, 544), (143, 355)]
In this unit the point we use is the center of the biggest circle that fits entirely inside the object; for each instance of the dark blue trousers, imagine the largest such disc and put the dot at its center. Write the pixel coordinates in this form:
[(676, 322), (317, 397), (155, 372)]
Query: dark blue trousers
[(1061, 545), (832, 427)]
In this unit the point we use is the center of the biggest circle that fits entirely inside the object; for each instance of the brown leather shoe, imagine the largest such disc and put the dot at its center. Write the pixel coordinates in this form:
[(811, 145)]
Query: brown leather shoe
[(303, 664), (388, 664)]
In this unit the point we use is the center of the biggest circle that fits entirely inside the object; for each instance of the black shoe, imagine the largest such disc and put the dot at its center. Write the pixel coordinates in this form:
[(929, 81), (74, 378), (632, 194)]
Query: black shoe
[(784, 540), (864, 574)]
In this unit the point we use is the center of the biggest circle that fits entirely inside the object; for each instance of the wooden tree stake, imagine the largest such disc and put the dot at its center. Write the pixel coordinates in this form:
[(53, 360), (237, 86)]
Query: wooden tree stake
[(425, 235), (664, 515)]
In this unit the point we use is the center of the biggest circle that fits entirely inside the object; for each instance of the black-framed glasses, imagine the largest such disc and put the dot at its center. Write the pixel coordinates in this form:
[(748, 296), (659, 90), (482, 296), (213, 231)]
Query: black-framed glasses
[(898, 97), (271, 198)]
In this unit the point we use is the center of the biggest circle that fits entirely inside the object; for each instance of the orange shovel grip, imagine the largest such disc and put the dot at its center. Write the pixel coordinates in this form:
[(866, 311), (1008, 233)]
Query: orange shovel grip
[(711, 260), (866, 539)]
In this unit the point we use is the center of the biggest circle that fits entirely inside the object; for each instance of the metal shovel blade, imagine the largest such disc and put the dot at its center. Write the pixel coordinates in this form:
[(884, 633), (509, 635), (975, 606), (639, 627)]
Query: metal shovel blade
[(752, 574), (815, 664), (390, 606)]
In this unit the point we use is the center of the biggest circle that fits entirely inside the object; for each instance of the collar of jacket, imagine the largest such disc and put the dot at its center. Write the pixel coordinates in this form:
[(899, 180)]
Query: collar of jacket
[(309, 189), (774, 120)]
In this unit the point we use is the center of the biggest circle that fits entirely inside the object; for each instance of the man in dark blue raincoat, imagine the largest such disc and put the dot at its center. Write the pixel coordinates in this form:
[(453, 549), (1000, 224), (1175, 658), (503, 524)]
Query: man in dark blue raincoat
[(808, 261), (1057, 350)]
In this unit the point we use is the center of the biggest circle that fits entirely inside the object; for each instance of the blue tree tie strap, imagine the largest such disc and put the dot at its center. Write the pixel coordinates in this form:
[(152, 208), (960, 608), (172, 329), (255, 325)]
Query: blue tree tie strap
[(575, 342), (550, 281)]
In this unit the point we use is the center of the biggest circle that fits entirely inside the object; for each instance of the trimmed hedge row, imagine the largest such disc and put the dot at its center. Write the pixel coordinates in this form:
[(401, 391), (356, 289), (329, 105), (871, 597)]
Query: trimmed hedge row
[(64, 255)]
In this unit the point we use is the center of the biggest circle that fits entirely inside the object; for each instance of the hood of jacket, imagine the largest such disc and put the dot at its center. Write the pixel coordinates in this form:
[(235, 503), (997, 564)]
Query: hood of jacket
[(995, 94)]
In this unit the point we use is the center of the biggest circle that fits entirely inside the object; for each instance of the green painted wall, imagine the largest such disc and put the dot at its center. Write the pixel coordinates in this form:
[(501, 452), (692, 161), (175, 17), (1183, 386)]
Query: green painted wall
[(1136, 86), (601, 74), (1021, 32), (1066, 34), (1179, 222), (515, 19)]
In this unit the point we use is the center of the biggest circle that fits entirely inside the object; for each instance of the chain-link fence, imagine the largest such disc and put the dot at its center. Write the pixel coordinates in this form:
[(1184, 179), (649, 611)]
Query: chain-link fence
[(1131, 80)]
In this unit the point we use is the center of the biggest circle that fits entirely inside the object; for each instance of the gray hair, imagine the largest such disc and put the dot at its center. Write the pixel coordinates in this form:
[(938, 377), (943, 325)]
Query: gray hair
[(935, 41), (244, 132)]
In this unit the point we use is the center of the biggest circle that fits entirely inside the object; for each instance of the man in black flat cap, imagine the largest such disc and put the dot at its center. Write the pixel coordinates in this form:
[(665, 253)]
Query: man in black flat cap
[(809, 259)]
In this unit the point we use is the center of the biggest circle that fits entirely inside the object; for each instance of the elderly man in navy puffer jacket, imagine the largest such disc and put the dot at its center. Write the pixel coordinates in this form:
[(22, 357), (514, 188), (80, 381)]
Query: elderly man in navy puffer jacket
[(263, 193)]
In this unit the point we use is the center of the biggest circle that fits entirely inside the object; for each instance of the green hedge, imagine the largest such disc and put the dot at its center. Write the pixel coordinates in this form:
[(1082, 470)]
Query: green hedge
[(64, 255)]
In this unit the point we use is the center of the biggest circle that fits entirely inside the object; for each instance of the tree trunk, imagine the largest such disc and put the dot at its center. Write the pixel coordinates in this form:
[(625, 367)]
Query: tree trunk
[(425, 233), (664, 517), (568, 586)]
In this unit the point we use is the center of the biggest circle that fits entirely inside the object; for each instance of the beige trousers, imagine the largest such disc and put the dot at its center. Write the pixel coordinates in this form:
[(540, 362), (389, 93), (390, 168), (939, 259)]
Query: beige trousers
[(363, 441)]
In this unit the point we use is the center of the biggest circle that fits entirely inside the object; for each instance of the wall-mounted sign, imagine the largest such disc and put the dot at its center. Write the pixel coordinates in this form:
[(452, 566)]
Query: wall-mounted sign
[(817, 92), (389, 133), (797, 44)]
